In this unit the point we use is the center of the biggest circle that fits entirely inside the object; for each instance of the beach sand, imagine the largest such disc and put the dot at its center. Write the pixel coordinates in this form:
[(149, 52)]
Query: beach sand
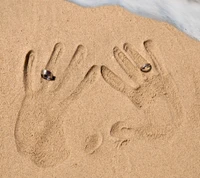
[(101, 117)]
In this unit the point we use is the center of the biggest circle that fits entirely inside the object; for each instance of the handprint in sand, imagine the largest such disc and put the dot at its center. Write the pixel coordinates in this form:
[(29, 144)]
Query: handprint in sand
[(39, 131), (153, 93)]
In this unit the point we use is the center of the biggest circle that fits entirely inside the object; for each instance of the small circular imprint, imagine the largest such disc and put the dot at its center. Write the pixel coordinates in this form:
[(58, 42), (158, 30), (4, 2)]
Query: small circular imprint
[(47, 75), (146, 68), (93, 142)]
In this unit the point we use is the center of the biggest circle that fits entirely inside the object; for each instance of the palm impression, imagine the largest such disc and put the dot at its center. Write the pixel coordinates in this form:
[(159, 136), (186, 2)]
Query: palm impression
[(153, 92), (39, 131)]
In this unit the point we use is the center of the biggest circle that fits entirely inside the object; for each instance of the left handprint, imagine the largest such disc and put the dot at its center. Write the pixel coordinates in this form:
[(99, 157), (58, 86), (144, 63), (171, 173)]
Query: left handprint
[(39, 131)]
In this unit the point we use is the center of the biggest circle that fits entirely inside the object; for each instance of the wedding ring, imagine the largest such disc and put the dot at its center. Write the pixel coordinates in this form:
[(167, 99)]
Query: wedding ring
[(146, 67), (47, 75)]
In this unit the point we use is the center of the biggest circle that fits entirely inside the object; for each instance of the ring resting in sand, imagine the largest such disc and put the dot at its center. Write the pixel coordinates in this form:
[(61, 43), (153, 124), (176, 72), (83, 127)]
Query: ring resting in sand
[(146, 67), (47, 75)]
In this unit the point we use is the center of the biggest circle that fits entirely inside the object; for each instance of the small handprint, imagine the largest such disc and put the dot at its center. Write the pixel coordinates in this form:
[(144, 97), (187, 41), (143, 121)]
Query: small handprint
[(153, 92), (39, 131)]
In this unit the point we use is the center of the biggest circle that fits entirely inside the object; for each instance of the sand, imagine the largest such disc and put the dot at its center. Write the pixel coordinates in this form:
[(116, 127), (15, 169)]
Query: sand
[(101, 116)]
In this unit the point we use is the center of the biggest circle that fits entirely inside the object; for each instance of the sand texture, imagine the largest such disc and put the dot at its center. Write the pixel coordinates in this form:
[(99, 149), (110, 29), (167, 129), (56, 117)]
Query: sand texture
[(102, 117), (183, 14)]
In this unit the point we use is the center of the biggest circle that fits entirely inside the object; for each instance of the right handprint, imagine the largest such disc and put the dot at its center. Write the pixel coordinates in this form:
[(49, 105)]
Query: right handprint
[(153, 92)]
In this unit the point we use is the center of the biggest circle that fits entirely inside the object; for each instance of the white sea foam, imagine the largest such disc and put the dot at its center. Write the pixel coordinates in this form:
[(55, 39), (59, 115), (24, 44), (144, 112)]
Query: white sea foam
[(183, 14)]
